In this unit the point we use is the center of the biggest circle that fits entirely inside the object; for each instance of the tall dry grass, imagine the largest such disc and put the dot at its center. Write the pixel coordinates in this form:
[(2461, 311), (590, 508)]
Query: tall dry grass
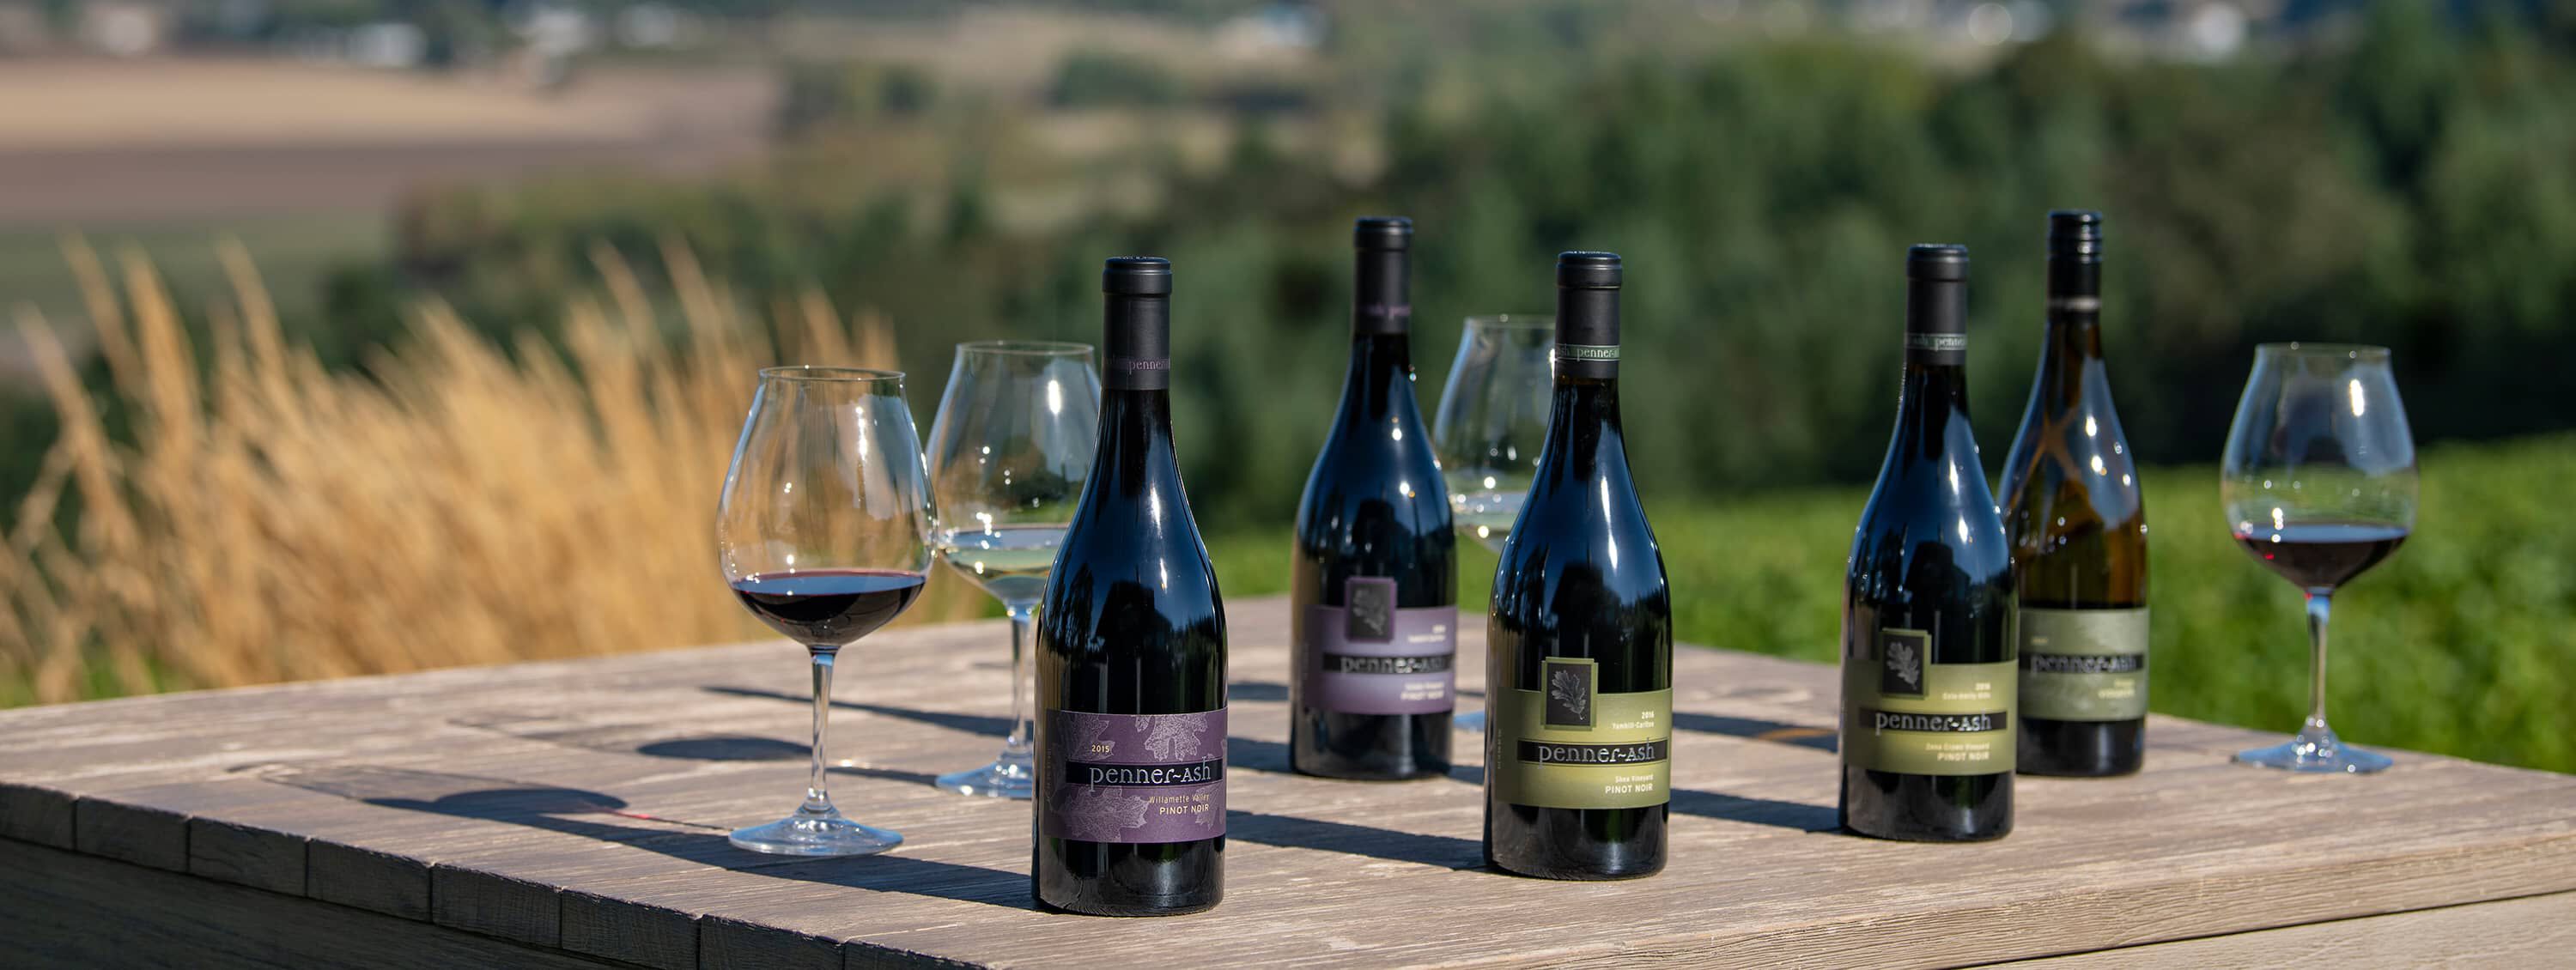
[(269, 520)]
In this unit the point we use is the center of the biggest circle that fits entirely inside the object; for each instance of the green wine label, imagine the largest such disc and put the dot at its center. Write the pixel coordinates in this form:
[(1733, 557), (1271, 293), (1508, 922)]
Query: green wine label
[(2084, 665), (1572, 746), (1904, 714)]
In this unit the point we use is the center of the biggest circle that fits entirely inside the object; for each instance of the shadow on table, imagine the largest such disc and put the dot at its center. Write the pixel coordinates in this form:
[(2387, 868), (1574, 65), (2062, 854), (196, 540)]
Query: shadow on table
[(1310, 833), (589, 814), (1757, 729), (1241, 754)]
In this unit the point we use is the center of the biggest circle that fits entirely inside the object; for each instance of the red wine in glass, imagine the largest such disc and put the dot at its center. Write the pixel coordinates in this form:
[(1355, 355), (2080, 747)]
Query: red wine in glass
[(829, 607), (2319, 485), (2322, 555)]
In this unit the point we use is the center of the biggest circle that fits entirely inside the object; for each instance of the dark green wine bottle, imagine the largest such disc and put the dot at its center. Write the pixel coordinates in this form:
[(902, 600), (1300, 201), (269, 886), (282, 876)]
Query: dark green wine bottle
[(1579, 663), (1131, 732), (1927, 652), (1373, 580), (2078, 525)]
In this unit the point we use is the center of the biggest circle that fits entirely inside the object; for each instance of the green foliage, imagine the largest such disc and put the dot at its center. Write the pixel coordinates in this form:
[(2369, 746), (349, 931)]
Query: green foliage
[(2464, 643), (2415, 189)]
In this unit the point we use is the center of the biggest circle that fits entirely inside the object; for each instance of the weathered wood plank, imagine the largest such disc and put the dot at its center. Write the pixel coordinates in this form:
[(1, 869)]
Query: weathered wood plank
[(36, 814), (131, 833), (247, 855), (583, 804), (72, 910), (2534, 931)]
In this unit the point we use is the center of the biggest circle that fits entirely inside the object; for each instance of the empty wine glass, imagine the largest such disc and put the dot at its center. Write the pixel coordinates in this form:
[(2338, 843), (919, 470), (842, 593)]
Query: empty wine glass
[(1009, 451), (823, 533), (1491, 422), (2319, 485)]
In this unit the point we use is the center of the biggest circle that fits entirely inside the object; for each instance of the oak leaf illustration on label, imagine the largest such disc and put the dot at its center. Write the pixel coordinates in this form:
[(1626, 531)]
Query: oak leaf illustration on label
[(1566, 687), (1900, 655), (1174, 737)]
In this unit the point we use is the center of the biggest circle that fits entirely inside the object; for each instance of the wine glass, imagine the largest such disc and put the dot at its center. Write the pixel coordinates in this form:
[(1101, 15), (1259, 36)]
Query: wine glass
[(1009, 451), (823, 533), (1491, 422), (2319, 485)]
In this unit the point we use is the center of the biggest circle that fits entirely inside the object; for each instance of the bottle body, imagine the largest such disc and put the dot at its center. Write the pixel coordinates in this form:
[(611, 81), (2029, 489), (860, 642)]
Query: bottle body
[(2076, 517), (1928, 677), (1373, 602), (1131, 729), (1578, 681)]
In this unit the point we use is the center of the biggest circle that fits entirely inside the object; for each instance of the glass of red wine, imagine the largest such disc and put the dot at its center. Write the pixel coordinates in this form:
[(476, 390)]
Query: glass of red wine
[(2319, 485), (824, 533)]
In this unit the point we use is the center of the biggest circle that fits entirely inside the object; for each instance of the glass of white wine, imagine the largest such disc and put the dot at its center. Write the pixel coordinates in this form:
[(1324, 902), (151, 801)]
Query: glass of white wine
[(1491, 422), (1008, 455)]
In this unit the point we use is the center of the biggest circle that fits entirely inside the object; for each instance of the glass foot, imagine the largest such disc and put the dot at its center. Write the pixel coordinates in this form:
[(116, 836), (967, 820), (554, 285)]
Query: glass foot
[(1006, 777), (1469, 721), (823, 833), (2315, 750)]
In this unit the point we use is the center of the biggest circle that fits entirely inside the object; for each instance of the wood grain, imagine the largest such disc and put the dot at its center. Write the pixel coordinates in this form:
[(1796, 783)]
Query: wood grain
[(2534, 931), (578, 808), (70, 910)]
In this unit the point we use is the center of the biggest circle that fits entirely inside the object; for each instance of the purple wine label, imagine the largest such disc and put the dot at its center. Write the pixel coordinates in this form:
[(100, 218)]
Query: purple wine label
[(1369, 656), (1134, 777)]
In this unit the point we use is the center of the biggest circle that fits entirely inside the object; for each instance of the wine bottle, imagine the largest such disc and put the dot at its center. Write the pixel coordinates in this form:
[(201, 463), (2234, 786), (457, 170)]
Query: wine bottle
[(2078, 526), (1579, 672), (1130, 799), (1927, 653), (1373, 582)]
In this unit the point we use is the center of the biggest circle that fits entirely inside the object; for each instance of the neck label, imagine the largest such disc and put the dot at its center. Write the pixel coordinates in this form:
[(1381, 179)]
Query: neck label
[(1595, 352), (1936, 348), (1137, 373), (1382, 317)]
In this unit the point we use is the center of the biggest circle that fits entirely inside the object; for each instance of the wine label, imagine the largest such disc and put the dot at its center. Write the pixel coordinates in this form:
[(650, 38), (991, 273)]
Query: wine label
[(1370, 656), (1134, 777), (1904, 714), (2083, 665), (1572, 746), (1587, 352)]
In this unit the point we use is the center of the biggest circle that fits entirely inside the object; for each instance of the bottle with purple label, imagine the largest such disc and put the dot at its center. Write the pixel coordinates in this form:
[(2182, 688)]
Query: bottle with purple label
[(1373, 586), (1130, 798)]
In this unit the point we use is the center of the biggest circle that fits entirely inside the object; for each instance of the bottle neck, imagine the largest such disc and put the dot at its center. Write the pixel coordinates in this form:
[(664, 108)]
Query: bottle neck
[(1136, 343), (1584, 437), (1380, 375), (1135, 436), (1381, 297), (2073, 345), (1932, 398)]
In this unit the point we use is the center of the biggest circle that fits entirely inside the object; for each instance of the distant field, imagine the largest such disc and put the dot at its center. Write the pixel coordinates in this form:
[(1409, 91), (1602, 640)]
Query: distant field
[(86, 142), (2464, 643)]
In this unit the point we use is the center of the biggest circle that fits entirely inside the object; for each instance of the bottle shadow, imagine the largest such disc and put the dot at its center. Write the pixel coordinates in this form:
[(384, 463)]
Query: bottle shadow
[(1757, 729), (1288, 831), (1241, 754), (606, 818)]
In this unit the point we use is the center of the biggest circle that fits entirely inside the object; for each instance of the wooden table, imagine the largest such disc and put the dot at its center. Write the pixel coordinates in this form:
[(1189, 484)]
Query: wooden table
[(573, 814)]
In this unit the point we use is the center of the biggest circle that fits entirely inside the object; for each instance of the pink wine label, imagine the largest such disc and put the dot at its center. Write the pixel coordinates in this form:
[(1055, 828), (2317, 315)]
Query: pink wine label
[(1134, 777), (1369, 656)]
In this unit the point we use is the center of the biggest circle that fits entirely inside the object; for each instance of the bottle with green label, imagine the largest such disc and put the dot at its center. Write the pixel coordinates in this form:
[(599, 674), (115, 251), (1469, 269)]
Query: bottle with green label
[(2078, 527), (1579, 660), (1928, 602)]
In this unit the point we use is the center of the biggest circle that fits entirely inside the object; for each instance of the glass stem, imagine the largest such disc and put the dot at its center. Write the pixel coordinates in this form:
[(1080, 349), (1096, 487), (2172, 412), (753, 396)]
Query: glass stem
[(818, 801), (2320, 604), (1016, 747)]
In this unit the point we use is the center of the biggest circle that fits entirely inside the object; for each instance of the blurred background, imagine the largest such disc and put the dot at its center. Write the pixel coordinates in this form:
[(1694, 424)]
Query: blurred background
[(353, 336)]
